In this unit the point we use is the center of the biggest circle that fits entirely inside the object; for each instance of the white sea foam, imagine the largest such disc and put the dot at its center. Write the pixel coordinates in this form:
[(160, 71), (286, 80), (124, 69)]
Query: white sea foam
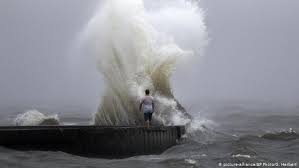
[(190, 161), (241, 155), (34, 118)]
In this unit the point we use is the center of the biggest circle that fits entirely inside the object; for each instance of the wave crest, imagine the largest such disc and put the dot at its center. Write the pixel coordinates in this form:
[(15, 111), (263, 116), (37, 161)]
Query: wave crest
[(35, 118), (282, 135), (134, 56)]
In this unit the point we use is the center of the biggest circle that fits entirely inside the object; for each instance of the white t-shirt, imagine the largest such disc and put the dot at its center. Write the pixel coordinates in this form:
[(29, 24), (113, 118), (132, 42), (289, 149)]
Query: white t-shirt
[(147, 104)]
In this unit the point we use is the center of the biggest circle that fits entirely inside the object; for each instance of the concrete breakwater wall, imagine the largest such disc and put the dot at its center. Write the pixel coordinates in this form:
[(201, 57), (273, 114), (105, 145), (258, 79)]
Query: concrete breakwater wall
[(92, 141)]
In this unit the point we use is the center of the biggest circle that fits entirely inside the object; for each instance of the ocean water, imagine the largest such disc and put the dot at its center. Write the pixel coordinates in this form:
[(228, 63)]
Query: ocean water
[(231, 137)]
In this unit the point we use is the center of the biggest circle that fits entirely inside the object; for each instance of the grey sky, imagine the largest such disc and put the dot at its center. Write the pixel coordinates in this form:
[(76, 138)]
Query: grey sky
[(35, 40), (253, 54)]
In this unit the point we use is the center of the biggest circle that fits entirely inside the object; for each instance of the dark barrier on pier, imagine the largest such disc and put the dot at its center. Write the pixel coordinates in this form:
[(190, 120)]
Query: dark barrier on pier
[(92, 141)]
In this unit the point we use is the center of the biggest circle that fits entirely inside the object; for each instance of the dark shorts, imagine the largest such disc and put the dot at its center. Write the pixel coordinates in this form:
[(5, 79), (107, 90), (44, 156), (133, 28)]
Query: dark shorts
[(148, 116)]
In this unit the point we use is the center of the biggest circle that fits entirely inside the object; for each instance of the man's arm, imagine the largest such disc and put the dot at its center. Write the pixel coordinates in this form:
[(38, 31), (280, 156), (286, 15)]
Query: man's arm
[(153, 107), (153, 104), (140, 105)]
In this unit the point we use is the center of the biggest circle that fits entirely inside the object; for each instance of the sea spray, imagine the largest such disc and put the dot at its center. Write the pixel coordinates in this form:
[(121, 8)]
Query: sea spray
[(35, 118), (133, 56)]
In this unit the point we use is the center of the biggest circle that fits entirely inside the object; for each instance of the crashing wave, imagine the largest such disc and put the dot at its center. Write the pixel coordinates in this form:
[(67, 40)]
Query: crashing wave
[(282, 135), (35, 118), (133, 56)]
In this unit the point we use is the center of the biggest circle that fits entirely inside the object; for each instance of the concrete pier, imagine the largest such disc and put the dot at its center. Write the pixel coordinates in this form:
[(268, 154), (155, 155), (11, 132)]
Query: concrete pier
[(92, 141)]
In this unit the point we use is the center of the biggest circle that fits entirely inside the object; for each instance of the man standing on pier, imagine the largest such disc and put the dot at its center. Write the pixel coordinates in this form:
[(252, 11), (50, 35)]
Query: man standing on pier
[(147, 106)]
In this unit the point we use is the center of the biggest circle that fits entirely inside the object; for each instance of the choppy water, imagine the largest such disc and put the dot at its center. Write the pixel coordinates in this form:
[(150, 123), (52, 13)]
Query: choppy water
[(251, 137)]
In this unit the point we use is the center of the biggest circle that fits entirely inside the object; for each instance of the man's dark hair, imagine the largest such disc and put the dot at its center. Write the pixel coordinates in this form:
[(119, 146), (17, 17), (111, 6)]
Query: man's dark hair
[(147, 92)]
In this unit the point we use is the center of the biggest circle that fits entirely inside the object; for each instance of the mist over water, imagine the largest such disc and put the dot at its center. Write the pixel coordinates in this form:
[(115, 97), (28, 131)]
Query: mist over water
[(135, 52)]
